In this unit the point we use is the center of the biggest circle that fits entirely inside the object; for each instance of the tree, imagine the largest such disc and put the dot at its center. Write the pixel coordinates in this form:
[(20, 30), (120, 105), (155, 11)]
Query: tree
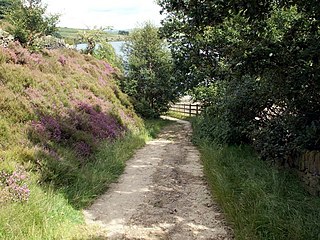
[(29, 21), (262, 59), (106, 52), (149, 78), (98, 46), (92, 38), (123, 32), (4, 7)]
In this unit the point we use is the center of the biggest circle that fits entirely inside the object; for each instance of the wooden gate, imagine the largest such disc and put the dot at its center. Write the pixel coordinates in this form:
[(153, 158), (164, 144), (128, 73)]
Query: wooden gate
[(189, 109)]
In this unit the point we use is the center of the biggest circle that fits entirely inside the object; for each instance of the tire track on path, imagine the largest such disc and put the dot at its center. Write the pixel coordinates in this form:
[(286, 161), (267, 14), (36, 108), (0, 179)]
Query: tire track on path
[(161, 195)]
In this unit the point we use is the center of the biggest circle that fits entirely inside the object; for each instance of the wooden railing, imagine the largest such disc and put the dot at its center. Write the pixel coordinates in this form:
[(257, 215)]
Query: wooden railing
[(191, 109)]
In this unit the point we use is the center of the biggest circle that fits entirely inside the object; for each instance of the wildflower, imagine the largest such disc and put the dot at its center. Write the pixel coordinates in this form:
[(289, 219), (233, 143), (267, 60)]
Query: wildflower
[(62, 60), (108, 68), (102, 81), (14, 186), (101, 125), (82, 148), (52, 126)]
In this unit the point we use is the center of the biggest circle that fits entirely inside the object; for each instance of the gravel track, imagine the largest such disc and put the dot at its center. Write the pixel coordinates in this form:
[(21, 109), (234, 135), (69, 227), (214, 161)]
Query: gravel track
[(161, 195)]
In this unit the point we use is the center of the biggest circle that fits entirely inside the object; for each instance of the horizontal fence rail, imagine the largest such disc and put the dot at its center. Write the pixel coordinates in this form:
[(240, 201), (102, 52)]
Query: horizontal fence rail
[(189, 109)]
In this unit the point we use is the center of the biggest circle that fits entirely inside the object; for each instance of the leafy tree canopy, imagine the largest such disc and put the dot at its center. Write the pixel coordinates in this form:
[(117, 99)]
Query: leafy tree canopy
[(262, 60), (92, 38), (4, 7), (149, 78), (29, 21)]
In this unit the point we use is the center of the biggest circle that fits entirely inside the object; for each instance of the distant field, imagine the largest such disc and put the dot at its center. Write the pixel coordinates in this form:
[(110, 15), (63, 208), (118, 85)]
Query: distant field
[(69, 32), (70, 35)]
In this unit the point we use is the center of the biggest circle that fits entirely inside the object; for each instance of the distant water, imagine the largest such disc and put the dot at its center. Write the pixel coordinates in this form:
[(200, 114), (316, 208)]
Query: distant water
[(116, 45)]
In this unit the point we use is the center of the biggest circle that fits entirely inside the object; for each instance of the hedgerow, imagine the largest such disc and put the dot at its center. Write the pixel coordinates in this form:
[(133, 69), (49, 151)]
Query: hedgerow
[(262, 61)]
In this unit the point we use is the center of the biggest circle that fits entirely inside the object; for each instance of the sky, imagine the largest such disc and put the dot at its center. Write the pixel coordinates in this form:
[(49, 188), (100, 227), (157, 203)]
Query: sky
[(119, 14)]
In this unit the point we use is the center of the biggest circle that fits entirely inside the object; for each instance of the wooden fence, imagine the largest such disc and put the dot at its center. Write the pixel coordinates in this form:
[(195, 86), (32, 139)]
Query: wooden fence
[(191, 109)]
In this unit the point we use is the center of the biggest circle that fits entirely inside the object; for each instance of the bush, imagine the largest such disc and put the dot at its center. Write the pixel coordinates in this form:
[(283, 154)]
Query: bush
[(64, 121), (29, 21), (149, 79), (264, 61), (106, 52), (49, 42), (82, 129), (233, 111), (13, 187)]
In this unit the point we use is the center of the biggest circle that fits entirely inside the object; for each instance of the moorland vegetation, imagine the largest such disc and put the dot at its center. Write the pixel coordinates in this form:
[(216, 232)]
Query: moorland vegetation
[(66, 128)]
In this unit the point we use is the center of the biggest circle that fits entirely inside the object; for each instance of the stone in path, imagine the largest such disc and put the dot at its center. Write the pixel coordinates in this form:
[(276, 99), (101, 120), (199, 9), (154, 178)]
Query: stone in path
[(161, 195)]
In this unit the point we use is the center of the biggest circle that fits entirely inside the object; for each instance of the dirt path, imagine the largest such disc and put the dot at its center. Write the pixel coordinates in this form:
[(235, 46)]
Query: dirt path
[(161, 195)]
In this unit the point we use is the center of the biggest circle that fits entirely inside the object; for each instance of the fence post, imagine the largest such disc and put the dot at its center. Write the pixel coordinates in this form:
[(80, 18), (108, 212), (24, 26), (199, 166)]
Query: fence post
[(186, 109)]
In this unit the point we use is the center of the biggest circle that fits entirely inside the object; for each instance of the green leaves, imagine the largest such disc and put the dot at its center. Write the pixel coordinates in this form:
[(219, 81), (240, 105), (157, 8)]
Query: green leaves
[(262, 60), (29, 21), (149, 78), (5, 5), (92, 37)]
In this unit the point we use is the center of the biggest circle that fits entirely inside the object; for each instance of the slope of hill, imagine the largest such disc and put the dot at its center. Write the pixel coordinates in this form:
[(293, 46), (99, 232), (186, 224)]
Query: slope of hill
[(65, 131)]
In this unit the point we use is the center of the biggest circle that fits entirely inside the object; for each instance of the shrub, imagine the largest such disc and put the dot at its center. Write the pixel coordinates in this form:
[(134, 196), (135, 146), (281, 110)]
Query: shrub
[(29, 21), (233, 111), (81, 129), (99, 124), (106, 52), (55, 120), (4, 131), (149, 80), (13, 186), (62, 60), (264, 60)]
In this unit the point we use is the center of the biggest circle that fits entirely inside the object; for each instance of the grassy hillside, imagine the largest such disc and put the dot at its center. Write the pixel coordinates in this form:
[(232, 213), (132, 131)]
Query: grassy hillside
[(65, 132)]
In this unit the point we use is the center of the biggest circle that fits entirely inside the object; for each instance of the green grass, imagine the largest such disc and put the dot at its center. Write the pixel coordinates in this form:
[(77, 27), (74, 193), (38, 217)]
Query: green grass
[(71, 35), (62, 181), (69, 32), (85, 184), (259, 201), (179, 115), (154, 126), (54, 210), (46, 216)]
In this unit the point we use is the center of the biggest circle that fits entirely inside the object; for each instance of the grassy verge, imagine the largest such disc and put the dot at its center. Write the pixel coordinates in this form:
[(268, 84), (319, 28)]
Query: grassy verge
[(259, 201), (154, 126), (47, 215), (54, 211), (179, 115), (109, 163)]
